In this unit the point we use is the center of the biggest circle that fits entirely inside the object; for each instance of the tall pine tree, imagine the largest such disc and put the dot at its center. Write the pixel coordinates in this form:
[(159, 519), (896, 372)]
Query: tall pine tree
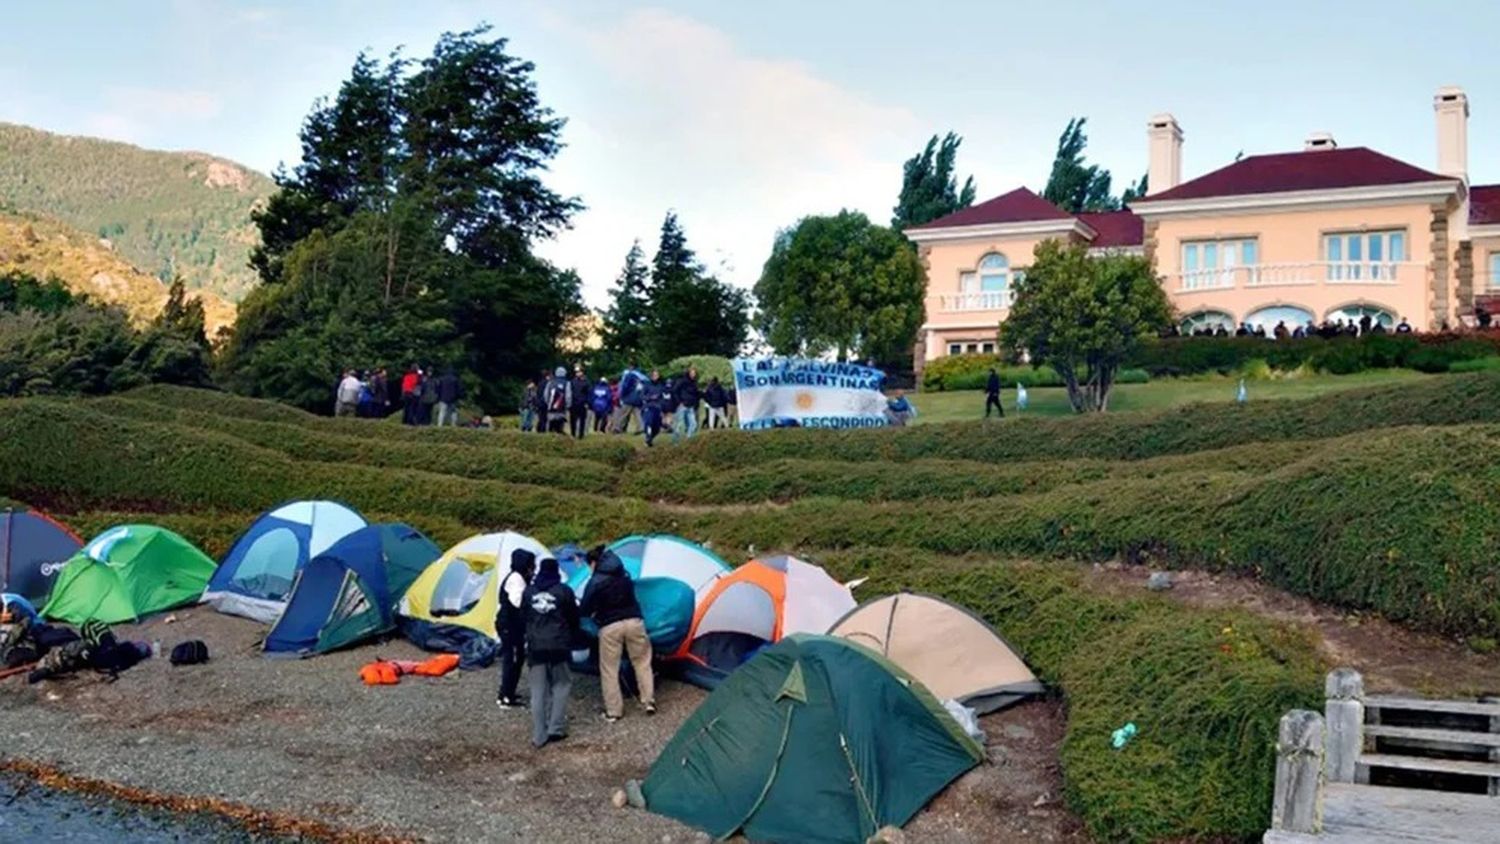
[(628, 320), (929, 188), (691, 313)]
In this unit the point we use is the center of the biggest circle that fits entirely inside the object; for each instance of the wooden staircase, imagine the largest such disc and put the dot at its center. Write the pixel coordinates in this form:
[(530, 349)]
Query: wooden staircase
[(1386, 769)]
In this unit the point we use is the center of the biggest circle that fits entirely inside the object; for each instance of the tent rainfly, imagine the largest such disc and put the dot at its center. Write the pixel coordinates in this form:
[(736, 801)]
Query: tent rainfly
[(954, 653)]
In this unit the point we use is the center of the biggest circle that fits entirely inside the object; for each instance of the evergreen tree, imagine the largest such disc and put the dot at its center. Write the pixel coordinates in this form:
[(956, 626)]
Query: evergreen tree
[(405, 234), (1075, 186), (1135, 191), (929, 188), (691, 313), (627, 321)]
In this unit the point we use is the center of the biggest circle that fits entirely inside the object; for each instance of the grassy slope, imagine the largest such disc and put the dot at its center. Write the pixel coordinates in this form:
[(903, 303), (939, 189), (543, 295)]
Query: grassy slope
[(1328, 497), (963, 405), (183, 210)]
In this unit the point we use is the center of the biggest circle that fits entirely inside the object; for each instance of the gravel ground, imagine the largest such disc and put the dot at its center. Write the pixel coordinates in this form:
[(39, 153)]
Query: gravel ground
[(432, 758)]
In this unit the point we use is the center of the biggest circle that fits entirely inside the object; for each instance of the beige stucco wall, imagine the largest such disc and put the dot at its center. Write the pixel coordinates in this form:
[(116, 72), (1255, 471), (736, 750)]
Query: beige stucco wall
[(1295, 237), (946, 262)]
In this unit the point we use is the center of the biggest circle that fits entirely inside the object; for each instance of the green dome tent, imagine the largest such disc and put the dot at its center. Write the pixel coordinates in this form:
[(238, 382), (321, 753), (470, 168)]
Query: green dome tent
[(817, 740), (128, 572)]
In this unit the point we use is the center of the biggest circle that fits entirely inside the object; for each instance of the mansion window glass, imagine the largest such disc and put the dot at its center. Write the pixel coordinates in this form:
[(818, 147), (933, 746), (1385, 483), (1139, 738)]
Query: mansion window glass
[(1211, 263), (1355, 256)]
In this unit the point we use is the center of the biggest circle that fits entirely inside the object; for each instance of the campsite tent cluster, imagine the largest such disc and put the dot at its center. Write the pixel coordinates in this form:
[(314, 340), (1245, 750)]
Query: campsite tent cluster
[(826, 722)]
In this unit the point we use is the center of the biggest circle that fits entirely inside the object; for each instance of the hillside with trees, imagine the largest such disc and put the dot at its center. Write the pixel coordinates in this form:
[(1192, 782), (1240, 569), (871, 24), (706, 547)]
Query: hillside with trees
[(172, 214), (41, 248)]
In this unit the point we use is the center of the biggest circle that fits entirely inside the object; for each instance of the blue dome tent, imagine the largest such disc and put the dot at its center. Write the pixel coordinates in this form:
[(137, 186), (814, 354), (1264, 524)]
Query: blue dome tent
[(255, 577), (33, 549), (350, 592)]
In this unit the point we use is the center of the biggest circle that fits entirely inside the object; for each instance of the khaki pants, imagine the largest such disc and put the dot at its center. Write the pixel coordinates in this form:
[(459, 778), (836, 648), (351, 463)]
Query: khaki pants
[(630, 635)]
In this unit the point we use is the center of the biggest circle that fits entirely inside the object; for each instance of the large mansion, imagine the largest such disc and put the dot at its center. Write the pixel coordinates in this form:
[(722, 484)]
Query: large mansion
[(1325, 233)]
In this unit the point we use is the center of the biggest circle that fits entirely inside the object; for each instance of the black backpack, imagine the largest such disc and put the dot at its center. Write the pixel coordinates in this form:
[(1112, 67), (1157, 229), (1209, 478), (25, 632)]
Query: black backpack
[(190, 652)]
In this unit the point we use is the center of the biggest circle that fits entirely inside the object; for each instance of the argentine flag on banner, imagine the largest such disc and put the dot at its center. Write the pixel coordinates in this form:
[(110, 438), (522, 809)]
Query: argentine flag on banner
[(798, 393)]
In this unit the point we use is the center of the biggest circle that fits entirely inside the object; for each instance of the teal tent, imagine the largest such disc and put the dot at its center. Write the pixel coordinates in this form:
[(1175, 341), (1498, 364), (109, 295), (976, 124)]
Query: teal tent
[(350, 592), (817, 740)]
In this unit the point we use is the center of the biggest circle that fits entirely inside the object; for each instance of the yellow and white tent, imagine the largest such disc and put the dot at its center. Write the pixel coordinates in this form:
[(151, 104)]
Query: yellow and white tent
[(461, 589)]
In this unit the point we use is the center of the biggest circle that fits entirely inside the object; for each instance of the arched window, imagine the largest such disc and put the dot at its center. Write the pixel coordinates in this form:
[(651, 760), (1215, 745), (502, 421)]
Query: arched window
[(1206, 321), (994, 273), (1291, 315), (1354, 313)]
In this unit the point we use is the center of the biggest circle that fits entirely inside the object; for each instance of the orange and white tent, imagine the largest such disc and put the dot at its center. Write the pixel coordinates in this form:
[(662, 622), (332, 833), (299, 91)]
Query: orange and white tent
[(756, 605)]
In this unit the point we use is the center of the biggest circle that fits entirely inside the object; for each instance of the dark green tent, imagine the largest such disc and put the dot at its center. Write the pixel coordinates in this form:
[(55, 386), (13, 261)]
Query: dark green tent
[(817, 739)]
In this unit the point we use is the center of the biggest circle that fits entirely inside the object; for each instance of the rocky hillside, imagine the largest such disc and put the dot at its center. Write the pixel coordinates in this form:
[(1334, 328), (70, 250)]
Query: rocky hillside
[(182, 213), (45, 249)]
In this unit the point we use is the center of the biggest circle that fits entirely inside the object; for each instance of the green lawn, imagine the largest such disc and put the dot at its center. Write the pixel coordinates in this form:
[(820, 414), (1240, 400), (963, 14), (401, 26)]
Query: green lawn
[(1170, 392)]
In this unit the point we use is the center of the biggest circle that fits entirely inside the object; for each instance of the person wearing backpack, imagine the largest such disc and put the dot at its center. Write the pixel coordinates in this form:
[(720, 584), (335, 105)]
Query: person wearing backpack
[(559, 396), (551, 618), (602, 403), (631, 384), (510, 624), (578, 406)]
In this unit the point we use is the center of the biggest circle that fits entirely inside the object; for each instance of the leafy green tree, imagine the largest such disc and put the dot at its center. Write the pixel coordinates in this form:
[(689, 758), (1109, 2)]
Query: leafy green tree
[(929, 188), (1075, 186), (841, 284), (1083, 316), (628, 319), (1135, 191), (405, 234), (691, 312), (19, 291), (174, 349)]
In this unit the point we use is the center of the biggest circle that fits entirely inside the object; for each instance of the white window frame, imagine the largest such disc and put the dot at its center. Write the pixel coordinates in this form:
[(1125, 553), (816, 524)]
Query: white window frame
[(1343, 264), (1217, 261), (1494, 265)]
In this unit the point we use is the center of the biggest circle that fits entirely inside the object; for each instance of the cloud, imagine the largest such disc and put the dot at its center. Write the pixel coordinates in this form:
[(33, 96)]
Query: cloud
[(139, 114), (679, 116)]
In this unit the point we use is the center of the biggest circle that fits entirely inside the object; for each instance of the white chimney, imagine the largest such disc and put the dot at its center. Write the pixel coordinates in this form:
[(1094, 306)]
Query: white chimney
[(1319, 141), (1164, 171), (1452, 107)]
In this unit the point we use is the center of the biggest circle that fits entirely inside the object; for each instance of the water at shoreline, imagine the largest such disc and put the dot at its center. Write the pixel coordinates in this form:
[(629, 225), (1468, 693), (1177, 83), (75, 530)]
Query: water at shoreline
[(38, 815)]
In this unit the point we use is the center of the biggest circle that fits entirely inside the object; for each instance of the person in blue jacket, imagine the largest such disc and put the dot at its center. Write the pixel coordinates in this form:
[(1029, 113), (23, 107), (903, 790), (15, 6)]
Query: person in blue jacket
[(653, 395), (631, 384), (601, 401)]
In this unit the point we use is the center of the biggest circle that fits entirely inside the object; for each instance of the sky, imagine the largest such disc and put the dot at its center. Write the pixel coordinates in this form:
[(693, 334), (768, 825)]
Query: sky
[(744, 117)]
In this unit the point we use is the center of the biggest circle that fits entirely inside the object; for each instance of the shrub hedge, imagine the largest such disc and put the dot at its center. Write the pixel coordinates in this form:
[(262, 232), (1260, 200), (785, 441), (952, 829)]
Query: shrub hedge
[(1340, 355), (611, 450), (1206, 689), (970, 372), (1450, 400), (503, 461)]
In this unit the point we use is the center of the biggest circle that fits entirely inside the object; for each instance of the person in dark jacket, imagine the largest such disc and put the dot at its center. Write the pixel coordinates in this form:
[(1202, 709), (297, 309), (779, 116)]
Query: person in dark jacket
[(688, 397), (510, 624), (992, 394), (610, 601), (717, 400), (558, 395), (541, 402), (578, 411), (602, 401), (429, 397), (380, 393), (653, 401), (449, 390), (530, 400), (551, 614)]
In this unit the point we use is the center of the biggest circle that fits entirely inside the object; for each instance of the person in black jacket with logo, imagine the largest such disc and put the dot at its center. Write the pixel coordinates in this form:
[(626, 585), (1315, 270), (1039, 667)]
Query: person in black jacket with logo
[(510, 624), (551, 615), (609, 600)]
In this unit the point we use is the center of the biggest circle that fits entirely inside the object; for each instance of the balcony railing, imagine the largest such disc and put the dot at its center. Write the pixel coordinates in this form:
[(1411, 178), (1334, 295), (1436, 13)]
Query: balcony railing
[(1299, 275), (990, 300)]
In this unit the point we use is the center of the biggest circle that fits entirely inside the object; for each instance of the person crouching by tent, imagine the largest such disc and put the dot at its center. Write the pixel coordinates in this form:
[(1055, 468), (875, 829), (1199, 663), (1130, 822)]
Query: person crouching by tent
[(510, 624), (610, 601), (899, 410), (551, 615)]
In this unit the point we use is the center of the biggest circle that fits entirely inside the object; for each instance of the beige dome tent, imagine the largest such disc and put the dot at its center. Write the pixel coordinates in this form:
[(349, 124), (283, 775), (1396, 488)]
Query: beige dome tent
[(950, 650)]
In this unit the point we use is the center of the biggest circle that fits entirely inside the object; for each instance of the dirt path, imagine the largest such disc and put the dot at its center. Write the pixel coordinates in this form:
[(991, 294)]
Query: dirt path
[(1392, 658), (433, 758)]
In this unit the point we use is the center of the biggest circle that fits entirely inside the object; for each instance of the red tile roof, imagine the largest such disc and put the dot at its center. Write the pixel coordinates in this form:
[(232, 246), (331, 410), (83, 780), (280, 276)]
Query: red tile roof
[(1018, 206), (1297, 171), (1115, 228), (1484, 205)]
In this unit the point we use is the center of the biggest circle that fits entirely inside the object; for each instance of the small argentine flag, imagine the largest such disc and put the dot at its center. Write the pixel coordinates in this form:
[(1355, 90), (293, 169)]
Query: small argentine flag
[(1241, 395), (1021, 398)]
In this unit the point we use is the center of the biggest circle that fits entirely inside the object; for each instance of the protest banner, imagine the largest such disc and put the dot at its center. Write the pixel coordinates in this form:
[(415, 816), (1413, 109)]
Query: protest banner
[(798, 393)]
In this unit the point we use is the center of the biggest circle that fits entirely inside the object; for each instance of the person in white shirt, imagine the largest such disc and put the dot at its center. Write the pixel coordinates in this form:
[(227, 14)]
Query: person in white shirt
[(347, 401)]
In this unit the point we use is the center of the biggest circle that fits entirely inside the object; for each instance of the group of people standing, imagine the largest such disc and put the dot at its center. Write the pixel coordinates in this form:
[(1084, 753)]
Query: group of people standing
[(539, 627), (574, 405), (424, 398)]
